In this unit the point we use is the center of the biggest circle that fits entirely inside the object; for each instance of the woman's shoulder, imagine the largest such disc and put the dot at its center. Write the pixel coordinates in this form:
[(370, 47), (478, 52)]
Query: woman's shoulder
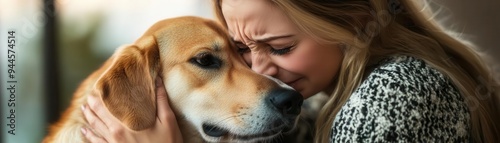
[(412, 77), (407, 70), (409, 78), (403, 99), (405, 75)]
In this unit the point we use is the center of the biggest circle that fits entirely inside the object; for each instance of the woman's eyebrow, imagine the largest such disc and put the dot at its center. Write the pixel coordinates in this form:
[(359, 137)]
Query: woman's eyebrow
[(264, 40), (267, 39)]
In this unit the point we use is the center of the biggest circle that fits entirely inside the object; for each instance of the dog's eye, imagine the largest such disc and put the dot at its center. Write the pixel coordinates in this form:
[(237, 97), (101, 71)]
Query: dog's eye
[(205, 60)]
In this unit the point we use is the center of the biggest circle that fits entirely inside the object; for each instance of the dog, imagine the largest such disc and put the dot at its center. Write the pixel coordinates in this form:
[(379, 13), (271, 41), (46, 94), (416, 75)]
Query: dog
[(213, 93)]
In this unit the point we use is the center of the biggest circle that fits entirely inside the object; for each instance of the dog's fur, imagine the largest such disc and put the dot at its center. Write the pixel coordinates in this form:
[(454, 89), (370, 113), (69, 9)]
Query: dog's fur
[(207, 82)]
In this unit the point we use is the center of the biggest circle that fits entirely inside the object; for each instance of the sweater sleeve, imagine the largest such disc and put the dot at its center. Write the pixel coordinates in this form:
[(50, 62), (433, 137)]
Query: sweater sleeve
[(404, 100)]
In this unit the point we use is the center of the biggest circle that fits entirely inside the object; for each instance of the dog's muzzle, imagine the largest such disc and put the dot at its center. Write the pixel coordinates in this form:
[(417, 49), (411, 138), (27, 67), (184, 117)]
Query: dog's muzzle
[(285, 103)]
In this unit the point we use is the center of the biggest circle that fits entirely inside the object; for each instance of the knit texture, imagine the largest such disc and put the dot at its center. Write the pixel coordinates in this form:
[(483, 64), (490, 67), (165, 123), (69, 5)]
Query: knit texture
[(403, 100)]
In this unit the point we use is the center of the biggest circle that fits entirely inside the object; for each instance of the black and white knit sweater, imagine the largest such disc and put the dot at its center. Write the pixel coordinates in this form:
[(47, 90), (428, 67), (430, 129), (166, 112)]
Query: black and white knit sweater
[(403, 100)]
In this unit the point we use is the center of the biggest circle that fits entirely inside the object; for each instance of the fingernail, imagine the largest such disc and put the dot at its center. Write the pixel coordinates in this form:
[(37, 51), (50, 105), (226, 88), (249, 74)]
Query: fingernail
[(84, 131), (82, 107)]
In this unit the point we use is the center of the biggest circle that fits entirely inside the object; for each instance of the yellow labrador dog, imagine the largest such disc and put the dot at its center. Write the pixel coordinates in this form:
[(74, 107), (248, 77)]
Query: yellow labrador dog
[(214, 95)]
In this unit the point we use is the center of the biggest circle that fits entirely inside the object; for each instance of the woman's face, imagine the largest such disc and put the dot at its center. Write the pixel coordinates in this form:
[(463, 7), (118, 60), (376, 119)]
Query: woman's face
[(271, 44)]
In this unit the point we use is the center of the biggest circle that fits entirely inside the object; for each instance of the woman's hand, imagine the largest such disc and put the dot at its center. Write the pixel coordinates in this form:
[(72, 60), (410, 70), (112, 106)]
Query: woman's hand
[(103, 123)]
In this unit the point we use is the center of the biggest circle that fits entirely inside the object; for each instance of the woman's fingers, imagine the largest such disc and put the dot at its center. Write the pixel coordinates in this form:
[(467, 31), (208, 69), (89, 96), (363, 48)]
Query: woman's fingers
[(94, 122), (91, 137), (97, 106), (164, 111), (166, 123), (103, 123)]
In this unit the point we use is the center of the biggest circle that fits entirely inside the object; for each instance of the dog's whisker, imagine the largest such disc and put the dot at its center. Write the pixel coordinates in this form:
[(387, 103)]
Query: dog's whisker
[(221, 122)]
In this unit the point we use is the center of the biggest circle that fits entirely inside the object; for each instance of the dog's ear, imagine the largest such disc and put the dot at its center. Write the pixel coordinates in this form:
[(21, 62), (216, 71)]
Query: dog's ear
[(128, 85)]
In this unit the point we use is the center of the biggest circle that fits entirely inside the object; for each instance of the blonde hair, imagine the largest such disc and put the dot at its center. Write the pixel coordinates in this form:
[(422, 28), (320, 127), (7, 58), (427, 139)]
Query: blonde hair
[(378, 28)]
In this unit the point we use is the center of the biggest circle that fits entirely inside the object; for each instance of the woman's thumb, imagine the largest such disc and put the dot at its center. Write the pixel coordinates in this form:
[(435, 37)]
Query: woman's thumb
[(163, 107)]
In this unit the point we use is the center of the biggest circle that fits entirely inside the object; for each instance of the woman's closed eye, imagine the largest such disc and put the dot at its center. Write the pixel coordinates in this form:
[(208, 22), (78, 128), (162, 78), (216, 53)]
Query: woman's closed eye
[(282, 51), (274, 50)]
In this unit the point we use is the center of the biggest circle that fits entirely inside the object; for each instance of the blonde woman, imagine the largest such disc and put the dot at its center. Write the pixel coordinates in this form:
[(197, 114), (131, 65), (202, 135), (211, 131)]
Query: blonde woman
[(391, 72)]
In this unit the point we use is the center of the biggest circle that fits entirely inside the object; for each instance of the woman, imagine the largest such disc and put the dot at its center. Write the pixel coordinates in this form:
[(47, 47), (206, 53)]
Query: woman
[(391, 73)]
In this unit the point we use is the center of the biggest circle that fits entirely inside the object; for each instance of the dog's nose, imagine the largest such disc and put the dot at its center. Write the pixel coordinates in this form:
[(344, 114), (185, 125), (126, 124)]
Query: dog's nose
[(286, 101)]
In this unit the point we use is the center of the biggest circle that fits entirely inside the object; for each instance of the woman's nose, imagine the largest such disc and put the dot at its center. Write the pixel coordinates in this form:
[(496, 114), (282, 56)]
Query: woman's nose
[(263, 64)]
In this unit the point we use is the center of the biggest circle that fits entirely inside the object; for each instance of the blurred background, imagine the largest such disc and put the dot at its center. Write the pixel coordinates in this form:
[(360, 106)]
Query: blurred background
[(61, 42)]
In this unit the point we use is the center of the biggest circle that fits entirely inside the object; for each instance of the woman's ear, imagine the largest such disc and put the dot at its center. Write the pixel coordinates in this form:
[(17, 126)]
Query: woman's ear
[(128, 86)]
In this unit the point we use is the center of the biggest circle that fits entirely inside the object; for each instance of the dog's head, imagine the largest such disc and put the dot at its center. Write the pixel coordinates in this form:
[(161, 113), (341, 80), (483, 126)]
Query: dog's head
[(207, 82)]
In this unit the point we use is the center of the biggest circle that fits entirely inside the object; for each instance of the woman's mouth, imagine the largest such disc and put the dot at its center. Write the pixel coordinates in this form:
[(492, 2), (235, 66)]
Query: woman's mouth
[(293, 83)]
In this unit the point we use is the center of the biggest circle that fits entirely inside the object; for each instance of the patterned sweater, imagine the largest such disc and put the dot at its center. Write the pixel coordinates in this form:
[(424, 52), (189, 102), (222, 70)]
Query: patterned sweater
[(403, 100)]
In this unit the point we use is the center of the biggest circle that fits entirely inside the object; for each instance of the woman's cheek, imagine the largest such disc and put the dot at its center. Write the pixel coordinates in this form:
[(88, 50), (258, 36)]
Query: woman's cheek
[(300, 61)]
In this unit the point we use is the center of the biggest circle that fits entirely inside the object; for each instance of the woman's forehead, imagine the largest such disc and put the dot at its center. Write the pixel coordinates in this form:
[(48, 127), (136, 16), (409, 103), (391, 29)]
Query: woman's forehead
[(247, 9), (254, 19)]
